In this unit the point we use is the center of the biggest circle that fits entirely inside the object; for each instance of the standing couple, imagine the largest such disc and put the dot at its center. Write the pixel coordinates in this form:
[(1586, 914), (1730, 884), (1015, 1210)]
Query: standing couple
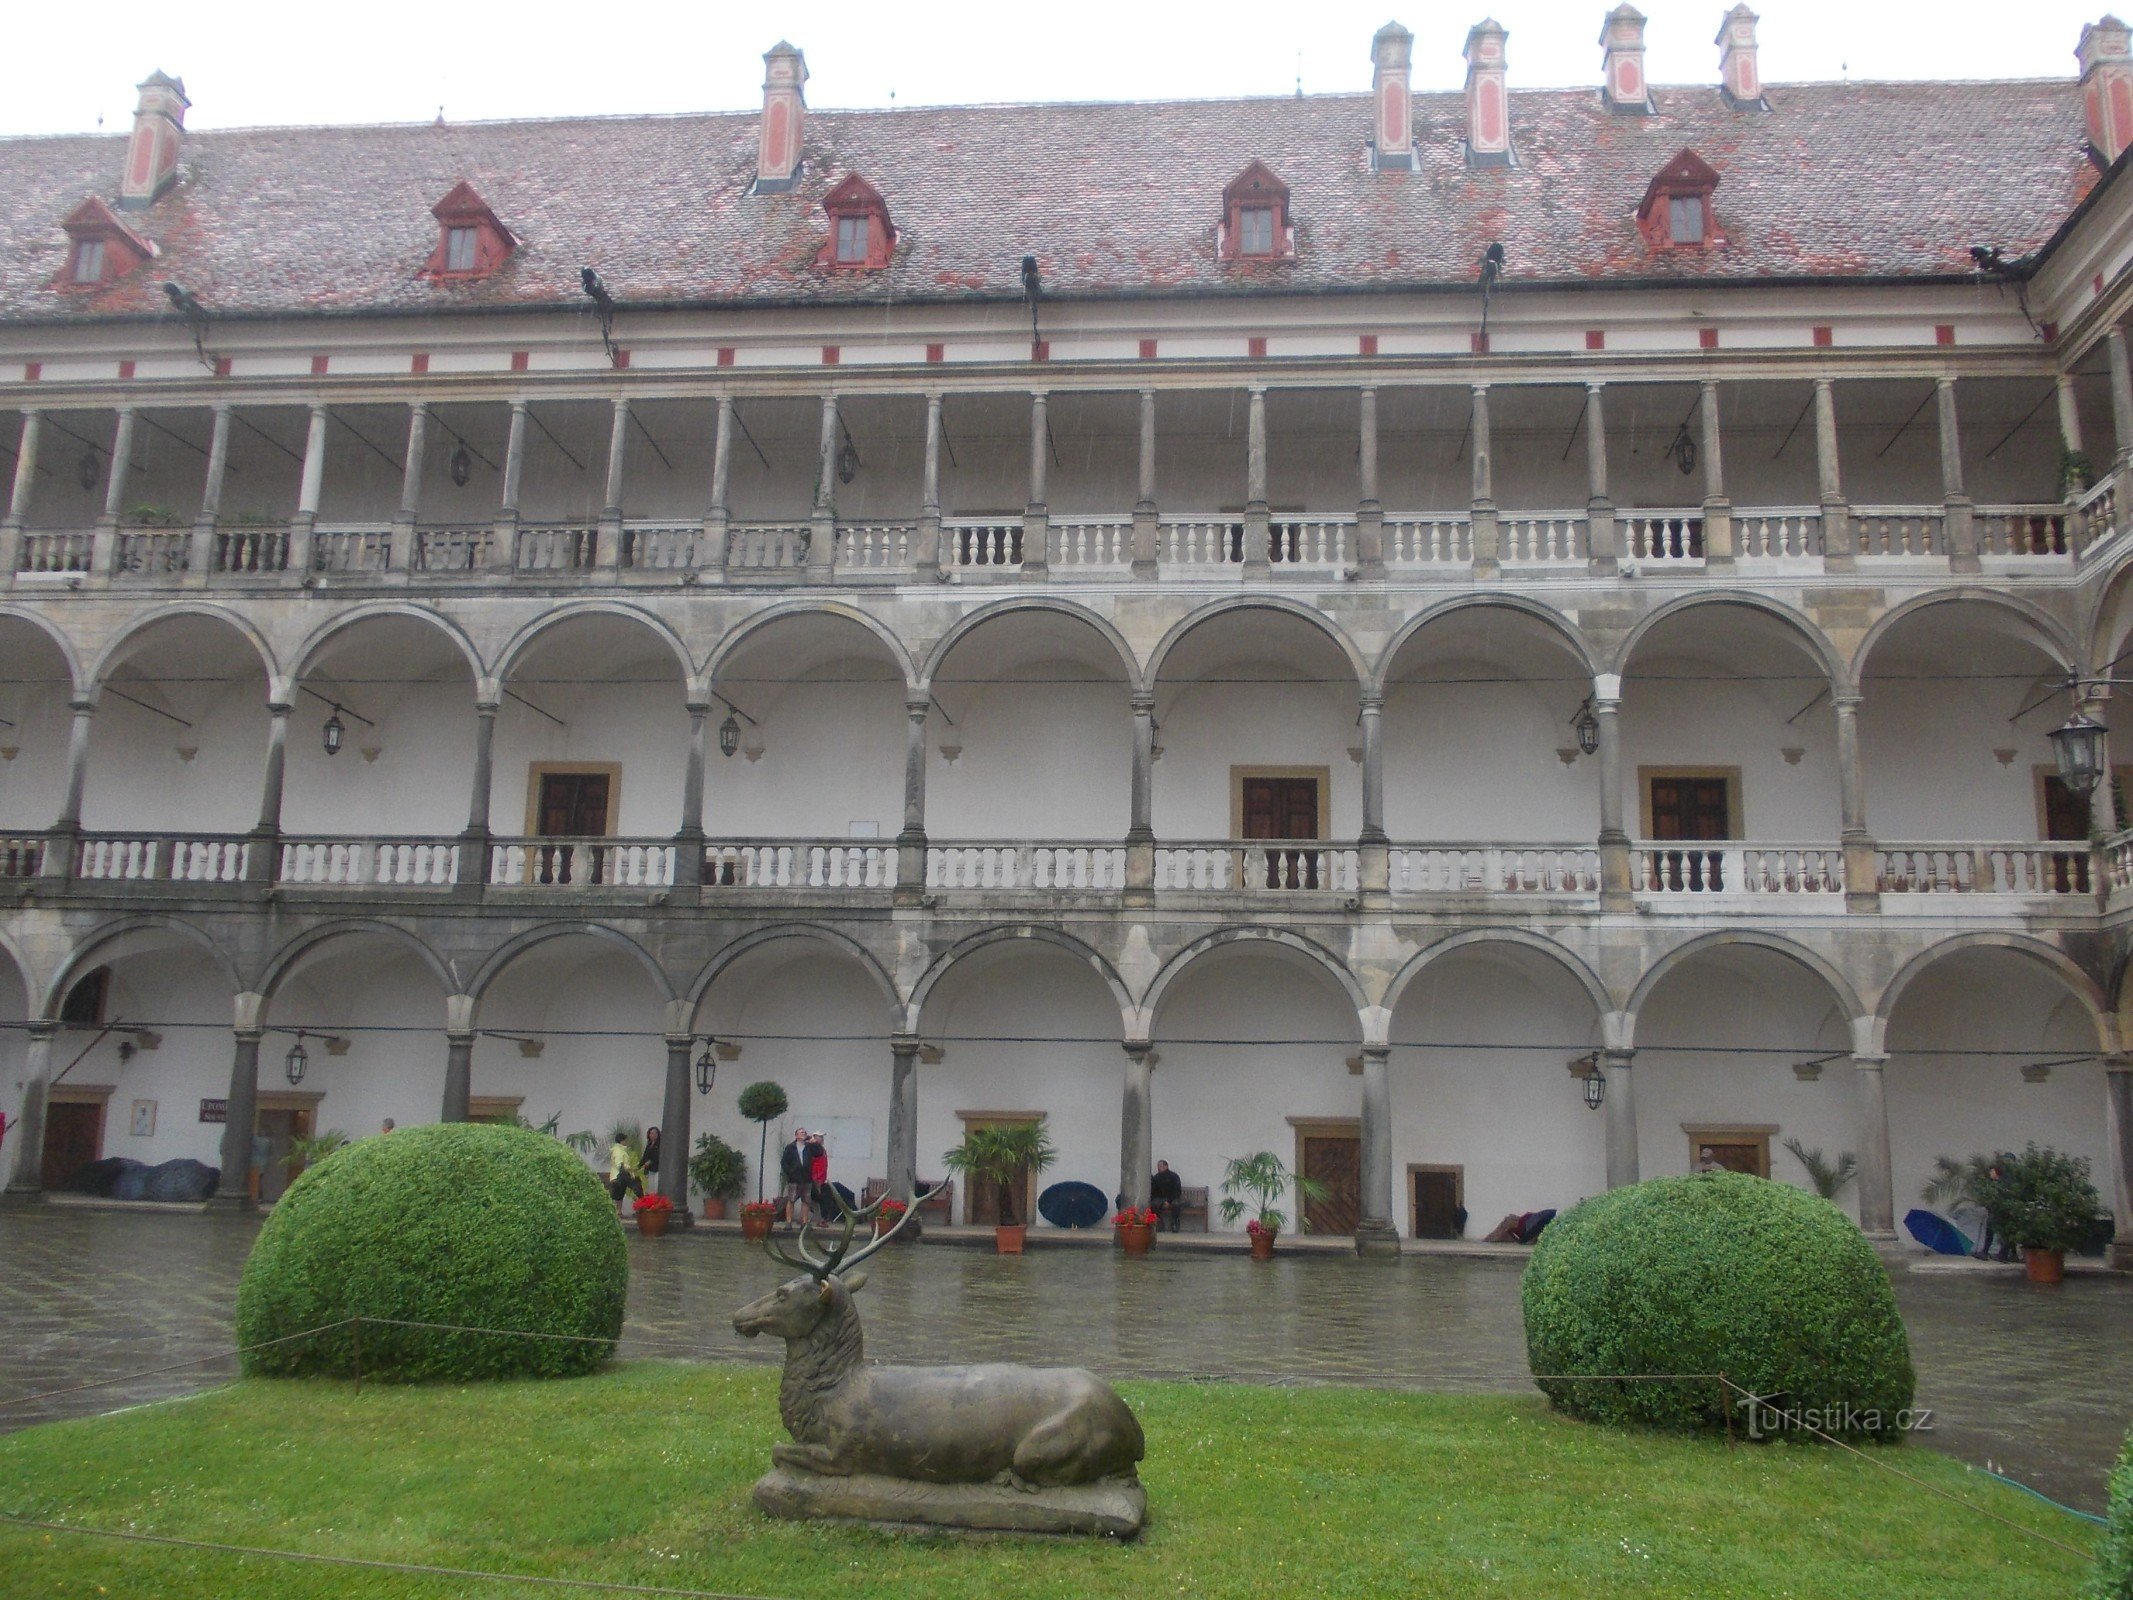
[(804, 1164)]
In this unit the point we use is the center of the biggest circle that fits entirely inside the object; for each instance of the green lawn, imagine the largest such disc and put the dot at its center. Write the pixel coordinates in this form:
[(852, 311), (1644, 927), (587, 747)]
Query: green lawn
[(642, 1474)]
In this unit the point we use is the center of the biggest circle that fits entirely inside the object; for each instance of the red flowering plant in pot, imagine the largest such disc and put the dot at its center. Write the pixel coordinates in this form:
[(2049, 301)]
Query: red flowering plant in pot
[(757, 1217), (1136, 1228), (891, 1213), (652, 1212)]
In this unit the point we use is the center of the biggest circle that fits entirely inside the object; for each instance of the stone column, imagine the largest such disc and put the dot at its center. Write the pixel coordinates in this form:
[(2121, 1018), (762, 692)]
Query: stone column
[(1369, 510), (1375, 864), (903, 1121), (1877, 1189), (103, 558), (1602, 540), (927, 557), (64, 839), (674, 1136), (1375, 1232), (711, 550), (911, 843), (1146, 517), (474, 841), (2069, 414), (1861, 876), (458, 1077), (607, 552), (1488, 538), (200, 560), (1838, 548), (2121, 398), (1961, 520), (1136, 1128), (1616, 877), (689, 837), (1037, 517), (503, 548), (2104, 821), (1140, 829), (1717, 509), (822, 521), (2118, 1154), (307, 498), (27, 1178), (402, 554), (18, 500), (1623, 1166), (263, 859), (1257, 529), (240, 1123)]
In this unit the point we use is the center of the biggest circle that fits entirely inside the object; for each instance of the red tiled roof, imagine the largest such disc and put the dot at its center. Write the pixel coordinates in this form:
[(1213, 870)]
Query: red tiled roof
[(1837, 181)]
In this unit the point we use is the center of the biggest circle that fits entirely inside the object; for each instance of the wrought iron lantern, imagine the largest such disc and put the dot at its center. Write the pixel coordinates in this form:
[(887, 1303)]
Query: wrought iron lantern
[(297, 1060), (462, 464), (1588, 728), (334, 732), (729, 735), (706, 1069), (2077, 745), (1595, 1088)]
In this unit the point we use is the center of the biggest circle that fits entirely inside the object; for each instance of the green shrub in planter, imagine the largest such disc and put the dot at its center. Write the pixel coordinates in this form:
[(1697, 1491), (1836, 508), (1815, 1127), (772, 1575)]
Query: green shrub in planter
[(1716, 1273), (477, 1226), (2114, 1556), (2041, 1199)]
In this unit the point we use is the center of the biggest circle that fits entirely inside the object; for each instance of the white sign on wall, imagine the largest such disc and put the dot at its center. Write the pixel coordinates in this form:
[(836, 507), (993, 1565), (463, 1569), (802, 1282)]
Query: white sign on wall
[(847, 1139)]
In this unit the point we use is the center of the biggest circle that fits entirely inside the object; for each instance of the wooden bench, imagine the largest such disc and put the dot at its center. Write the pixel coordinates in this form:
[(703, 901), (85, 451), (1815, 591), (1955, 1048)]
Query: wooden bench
[(940, 1209), (1192, 1209)]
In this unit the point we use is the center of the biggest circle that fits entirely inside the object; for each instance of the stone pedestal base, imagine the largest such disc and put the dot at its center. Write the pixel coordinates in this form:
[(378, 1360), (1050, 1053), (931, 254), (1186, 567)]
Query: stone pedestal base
[(1379, 1241), (1108, 1510)]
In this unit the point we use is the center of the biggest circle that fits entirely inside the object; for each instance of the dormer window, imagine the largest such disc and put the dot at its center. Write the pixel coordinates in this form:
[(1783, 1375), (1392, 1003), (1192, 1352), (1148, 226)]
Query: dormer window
[(1675, 213), (100, 248), (1255, 218), (861, 237), (471, 241)]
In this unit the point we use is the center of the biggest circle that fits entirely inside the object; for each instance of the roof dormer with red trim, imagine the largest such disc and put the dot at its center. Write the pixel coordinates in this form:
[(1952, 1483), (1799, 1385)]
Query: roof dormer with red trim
[(861, 237), (1675, 213), (1255, 218), (471, 241), (100, 248)]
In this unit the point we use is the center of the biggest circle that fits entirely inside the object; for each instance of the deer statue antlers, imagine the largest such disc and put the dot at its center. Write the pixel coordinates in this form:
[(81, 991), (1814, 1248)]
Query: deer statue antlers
[(840, 1258)]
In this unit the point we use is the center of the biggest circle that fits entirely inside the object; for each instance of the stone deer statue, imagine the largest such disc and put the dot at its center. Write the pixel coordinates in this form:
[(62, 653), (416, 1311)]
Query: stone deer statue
[(1028, 1427)]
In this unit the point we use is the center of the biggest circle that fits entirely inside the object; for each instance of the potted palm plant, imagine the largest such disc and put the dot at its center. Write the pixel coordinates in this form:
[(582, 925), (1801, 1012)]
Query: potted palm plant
[(1004, 1153), (2042, 1201), (1828, 1178), (719, 1172), (1255, 1185)]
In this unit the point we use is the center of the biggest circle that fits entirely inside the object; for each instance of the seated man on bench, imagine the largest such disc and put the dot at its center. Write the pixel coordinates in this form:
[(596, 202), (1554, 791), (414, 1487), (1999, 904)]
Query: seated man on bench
[(1166, 1196)]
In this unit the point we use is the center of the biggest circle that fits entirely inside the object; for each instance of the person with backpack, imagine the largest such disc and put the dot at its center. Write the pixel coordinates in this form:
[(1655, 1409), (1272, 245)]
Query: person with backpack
[(794, 1184)]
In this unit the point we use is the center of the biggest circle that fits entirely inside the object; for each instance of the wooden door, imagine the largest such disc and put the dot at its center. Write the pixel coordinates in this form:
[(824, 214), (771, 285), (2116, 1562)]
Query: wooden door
[(1735, 1153), (73, 1137), (282, 1128), (1284, 808), (573, 805), (1335, 1160), (1690, 809), (1437, 1212)]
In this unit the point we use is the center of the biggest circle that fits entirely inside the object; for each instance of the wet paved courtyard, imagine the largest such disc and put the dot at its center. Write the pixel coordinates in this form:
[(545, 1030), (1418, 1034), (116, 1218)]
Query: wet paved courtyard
[(2038, 1382)]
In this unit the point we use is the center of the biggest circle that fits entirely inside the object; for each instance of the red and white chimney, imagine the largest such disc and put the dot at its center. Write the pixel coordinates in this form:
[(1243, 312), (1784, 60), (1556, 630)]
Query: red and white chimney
[(1488, 106), (152, 153), (2106, 57), (1392, 142), (1740, 80), (1622, 82), (777, 160)]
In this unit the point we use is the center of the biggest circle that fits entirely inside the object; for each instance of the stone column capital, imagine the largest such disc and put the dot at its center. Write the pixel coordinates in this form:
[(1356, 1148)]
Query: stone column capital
[(1622, 1058), (1870, 1060), (1142, 700), (42, 1028), (917, 705), (1379, 1053), (1371, 701), (2120, 1064), (250, 1036), (1847, 699)]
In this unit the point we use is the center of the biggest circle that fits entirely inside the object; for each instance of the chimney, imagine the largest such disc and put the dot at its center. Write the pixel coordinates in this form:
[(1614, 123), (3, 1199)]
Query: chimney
[(777, 161), (1622, 63), (1740, 80), (152, 153), (1392, 144), (1488, 112), (2106, 57)]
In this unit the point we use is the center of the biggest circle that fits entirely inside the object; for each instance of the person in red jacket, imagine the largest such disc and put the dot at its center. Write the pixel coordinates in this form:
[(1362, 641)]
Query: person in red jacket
[(818, 1177)]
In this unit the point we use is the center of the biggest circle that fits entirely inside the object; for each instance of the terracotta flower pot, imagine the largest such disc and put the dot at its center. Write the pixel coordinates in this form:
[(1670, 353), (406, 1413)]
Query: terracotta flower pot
[(1262, 1247), (756, 1224), (2044, 1266), (1137, 1237), (884, 1224), (1007, 1240), (714, 1209), (651, 1223)]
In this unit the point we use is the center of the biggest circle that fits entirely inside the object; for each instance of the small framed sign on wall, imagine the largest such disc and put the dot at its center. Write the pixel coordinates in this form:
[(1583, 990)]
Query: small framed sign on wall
[(144, 1119), (214, 1111)]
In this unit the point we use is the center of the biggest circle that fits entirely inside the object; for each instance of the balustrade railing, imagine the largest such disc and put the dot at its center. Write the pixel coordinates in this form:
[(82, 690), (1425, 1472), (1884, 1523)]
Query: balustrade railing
[(1913, 532), (582, 863), (2024, 869), (1429, 541), (56, 552), (1782, 534), (1493, 869), (341, 549), (21, 856), (153, 552), (2038, 530), (1186, 543), (1542, 538), (1085, 543), (799, 864), (999, 864), (1319, 541), (1661, 868), (767, 546), (247, 549), (169, 857), (557, 547), (453, 549), (2096, 513), (875, 546), (1661, 536), (660, 546), (370, 863), (1253, 866)]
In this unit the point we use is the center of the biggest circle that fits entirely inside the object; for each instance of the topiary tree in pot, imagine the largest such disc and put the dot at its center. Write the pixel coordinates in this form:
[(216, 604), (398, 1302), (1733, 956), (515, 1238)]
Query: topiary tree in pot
[(2043, 1202), (719, 1171), (1717, 1273), (763, 1103)]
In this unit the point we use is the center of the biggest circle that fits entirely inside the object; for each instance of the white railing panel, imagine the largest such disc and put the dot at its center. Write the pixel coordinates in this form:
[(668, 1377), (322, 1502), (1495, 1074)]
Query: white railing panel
[(557, 547), (56, 552), (582, 863), (1429, 541), (2096, 513), (1083, 543), (251, 549), (768, 546), (799, 864), (1313, 541), (1493, 869), (1205, 543), (1542, 538), (1258, 866), (346, 549), (660, 546), (1792, 533), (875, 546), (453, 549), (1665, 537), (2042, 869), (981, 542), (21, 855), (1899, 532), (2037, 531), (370, 863), (153, 552), (1660, 867)]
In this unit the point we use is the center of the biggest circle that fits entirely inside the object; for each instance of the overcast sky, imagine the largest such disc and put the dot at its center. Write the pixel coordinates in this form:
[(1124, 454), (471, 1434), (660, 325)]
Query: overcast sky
[(251, 62)]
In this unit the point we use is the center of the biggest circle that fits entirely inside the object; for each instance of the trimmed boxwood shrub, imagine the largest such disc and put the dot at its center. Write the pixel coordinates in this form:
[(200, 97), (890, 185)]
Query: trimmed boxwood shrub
[(2114, 1556), (477, 1226), (1717, 1273)]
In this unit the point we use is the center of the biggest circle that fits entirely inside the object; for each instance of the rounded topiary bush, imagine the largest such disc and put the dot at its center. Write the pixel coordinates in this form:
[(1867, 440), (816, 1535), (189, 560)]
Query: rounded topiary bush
[(1717, 1273), (483, 1227), (2114, 1556)]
